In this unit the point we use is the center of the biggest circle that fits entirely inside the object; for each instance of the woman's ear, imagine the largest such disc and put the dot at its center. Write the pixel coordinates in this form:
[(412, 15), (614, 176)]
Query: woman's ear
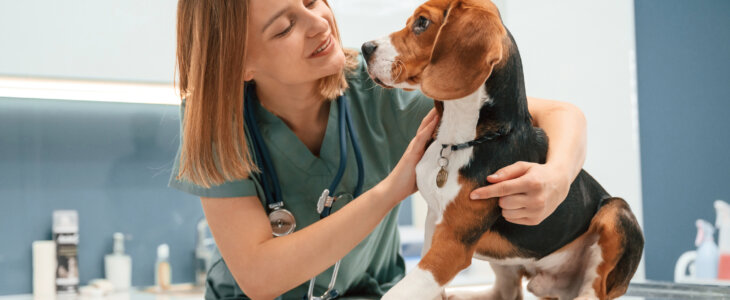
[(248, 74)]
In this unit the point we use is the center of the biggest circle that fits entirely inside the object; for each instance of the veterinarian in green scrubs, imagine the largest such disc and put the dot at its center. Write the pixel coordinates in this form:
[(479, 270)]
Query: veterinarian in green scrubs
[(385, 121), (291, 50)]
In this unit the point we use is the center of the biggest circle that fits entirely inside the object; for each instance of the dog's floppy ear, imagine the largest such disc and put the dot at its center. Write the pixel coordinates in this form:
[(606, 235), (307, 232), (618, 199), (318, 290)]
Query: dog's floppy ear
[(467, 47)]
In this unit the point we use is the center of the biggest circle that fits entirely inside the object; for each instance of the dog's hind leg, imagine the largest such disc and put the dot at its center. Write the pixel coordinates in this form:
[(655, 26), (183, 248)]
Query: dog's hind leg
[(507, 286), (620, 244), (508, 283)]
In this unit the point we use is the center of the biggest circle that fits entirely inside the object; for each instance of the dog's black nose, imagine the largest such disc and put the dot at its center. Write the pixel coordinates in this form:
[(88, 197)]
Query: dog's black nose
[(368, 49)]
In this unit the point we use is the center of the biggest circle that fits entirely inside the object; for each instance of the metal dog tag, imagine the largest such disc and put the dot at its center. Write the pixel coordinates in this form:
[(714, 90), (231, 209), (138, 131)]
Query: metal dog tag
[(441, 177), (282, 222), (443, 174)]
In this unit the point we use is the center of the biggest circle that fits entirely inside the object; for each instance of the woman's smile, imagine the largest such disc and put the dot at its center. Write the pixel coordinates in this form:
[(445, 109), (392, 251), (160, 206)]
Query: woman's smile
[(323, 49)]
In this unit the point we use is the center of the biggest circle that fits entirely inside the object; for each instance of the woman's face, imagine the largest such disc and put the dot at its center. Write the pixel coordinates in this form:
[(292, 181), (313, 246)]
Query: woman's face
[(292, 41)]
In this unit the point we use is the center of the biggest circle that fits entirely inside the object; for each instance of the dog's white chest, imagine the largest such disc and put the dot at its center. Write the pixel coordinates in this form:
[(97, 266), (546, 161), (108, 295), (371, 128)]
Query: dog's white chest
[(458, 125)]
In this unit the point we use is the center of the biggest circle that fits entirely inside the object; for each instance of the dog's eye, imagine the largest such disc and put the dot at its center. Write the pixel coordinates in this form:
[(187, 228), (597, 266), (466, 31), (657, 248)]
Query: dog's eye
[(420, 25)]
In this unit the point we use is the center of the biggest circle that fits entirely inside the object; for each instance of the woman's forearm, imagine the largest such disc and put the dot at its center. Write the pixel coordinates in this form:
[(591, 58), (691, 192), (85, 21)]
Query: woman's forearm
[(282, 263), (266, 267), (565, 126)]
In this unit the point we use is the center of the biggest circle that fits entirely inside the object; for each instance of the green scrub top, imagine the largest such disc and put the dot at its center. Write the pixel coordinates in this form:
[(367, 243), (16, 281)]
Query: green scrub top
[(385, 121)]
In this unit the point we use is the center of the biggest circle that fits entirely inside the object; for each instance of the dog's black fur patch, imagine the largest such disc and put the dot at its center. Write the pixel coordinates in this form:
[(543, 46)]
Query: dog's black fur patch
[(508, 110)]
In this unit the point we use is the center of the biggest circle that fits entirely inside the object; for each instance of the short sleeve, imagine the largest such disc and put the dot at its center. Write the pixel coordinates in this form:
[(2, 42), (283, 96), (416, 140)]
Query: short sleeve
[(237, 188), (402, 110), (409, 109)]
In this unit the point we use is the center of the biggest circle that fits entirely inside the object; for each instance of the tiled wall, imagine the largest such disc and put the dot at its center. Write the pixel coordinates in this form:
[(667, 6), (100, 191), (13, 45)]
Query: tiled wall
[(109, 161), (683, 55)]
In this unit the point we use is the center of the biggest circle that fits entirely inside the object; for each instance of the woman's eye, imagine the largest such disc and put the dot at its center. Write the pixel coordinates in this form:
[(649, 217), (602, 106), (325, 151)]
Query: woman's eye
[(421, 24), (283, 33), (310, 4)]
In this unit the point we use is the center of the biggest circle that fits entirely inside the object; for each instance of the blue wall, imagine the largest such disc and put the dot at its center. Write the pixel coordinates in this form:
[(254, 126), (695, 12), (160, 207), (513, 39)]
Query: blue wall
[(683, 55), (109, 161)]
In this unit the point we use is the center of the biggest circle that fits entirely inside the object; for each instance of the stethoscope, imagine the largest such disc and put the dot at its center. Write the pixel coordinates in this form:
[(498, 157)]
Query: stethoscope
[(282, 220)]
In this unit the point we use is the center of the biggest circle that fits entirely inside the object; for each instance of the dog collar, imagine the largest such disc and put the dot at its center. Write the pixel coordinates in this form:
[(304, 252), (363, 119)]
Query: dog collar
[(443, 160), (487, 137)]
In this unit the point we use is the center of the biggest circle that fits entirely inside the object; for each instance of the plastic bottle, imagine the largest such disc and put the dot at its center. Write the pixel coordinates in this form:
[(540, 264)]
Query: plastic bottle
[(44, 269), (723, 224), (118, 266), (163, 270), (203, 253), (66, 236), (707, 253)]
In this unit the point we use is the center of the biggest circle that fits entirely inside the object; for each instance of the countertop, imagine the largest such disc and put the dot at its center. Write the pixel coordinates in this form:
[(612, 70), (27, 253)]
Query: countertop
[(637, 291)]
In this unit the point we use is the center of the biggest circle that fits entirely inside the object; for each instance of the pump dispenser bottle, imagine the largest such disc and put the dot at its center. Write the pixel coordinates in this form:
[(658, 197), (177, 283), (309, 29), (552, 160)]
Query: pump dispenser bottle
[(118, 266), (722, 222), (707, 254)]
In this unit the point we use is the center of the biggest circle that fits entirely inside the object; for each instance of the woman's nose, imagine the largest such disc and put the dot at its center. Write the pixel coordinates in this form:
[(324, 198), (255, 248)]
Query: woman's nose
[(318, 24)]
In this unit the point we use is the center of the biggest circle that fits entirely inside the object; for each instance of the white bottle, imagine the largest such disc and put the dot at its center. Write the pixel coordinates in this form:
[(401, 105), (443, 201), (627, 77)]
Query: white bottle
[(707, 254), (203, 253), (722, 222), (44, 269), (163, 271), (118, 266)]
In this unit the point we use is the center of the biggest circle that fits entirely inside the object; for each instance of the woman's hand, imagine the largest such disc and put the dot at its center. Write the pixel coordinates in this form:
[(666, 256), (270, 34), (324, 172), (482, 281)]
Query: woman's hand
[(528, 192), (402, 180)]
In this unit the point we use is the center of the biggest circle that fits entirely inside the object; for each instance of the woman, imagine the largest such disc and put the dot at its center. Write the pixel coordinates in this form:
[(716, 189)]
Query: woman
[(288, 52)]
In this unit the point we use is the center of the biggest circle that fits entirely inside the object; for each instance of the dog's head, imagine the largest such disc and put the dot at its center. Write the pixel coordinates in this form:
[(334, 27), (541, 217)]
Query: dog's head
[(448, 49)]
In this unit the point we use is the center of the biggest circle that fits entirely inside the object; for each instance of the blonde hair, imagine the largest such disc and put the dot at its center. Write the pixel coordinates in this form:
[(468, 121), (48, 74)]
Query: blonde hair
[(211, 34)]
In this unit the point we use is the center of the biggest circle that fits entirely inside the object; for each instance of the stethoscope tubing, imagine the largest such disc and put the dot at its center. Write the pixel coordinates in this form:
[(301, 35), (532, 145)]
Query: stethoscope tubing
[(345, 126), (356, 149), (270, 179)]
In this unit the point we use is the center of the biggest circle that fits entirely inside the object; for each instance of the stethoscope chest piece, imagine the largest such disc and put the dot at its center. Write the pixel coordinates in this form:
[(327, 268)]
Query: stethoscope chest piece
[(282, 221)]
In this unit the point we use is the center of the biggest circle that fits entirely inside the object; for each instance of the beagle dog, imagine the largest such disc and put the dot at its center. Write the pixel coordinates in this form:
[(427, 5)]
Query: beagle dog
[(459, 53)]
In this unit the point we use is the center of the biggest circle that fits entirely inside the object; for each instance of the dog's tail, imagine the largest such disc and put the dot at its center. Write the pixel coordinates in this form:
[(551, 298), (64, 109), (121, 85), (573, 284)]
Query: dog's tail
[(621, 243)]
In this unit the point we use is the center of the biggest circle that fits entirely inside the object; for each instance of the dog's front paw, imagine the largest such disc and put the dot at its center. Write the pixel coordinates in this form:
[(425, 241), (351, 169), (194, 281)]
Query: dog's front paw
[(418, 284), (398, 292), (460, 293)]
